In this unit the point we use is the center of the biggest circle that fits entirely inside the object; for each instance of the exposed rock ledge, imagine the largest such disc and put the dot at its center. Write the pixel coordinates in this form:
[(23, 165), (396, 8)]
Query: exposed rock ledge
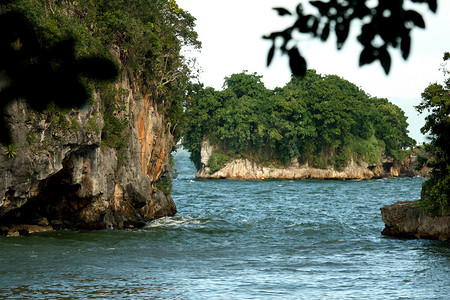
[(407, 219), (246, 169), (17, 230)]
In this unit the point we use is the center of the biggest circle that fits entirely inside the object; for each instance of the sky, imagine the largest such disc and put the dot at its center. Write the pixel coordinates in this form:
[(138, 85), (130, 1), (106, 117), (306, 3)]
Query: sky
[(231, 34)]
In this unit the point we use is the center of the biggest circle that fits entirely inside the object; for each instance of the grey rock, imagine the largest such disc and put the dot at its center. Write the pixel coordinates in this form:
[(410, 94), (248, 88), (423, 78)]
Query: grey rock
[(243, 168), (407, 219), (62, 175)]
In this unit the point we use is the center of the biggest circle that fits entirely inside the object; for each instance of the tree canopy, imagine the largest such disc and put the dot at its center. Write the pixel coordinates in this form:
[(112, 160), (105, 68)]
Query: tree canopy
[(321, 120), (436, 100), (385, 25), (147, 35)]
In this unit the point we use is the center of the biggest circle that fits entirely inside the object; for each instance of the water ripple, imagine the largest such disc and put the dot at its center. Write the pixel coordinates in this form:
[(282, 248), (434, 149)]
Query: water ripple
[(233, 239)]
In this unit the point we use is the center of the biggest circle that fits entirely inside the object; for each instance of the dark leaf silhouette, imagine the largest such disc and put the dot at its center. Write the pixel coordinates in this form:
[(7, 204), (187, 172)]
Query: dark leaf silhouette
[(315, 26), (97, 68), (271, 54), (321, 6), (296, 62), (385, 59), (41, 74), (367, 56), (299, 9), (405, 45), (342, 31), (386, 24), (415, 17), (325, 32), (282, 11), (432, 4)]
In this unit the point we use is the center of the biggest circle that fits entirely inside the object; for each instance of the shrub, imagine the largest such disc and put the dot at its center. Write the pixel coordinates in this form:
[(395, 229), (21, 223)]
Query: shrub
[(217, 161), (165, 185)]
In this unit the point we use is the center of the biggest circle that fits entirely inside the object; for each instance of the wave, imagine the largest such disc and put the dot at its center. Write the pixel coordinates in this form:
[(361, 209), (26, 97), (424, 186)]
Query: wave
[(176, 221)]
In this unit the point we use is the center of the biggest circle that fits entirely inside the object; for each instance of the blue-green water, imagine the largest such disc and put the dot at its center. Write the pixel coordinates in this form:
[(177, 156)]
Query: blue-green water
[(239, 240)]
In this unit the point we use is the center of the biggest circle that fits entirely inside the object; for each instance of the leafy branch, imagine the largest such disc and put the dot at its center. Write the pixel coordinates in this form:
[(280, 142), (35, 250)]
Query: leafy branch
[(383, 26)]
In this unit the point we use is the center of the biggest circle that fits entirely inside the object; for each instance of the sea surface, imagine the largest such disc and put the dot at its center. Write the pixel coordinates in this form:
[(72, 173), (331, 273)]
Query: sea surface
[(231, 239)]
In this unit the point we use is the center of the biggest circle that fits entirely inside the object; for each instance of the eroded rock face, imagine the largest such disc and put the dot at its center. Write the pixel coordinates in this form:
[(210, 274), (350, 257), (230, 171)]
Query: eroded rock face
[(62, 173), (206, 152), (407, 219), (246, 169), (409, 164)]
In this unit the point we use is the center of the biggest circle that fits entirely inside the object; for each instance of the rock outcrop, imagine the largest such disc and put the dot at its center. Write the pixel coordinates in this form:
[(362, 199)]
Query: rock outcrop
[(60, 175), (245, 169), (408, 220), (390, 168)]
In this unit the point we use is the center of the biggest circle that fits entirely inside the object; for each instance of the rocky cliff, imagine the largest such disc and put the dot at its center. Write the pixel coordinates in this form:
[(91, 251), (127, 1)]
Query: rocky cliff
[(407, 219), (59, 174), (245, 169)]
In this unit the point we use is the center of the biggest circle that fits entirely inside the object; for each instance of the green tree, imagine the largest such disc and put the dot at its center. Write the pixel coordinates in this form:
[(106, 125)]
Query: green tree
[(246, 84), (391, 126), (145, 35), (201, 107), (320, 120), (436, 100), (40, 61)]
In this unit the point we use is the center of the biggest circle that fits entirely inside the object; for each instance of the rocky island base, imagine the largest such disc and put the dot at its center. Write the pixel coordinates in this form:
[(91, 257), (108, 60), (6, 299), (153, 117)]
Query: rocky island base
[(407, 219), (245, 169)]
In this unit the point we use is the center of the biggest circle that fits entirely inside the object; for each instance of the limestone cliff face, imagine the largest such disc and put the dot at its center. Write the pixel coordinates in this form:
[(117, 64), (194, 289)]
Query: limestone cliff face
[(246, 169), (390, 168), (61, 176), (406, 219)]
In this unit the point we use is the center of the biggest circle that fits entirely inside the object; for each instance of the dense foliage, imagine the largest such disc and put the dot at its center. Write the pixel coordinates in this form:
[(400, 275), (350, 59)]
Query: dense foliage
[(320, 120), (147, 36), (436, 100)]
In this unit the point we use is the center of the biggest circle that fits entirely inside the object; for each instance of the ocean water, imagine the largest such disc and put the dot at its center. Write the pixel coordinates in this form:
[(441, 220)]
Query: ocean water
[(276, 239)]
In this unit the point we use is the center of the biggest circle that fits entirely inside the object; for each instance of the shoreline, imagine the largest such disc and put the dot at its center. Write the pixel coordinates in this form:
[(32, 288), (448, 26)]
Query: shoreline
[(244, 169)]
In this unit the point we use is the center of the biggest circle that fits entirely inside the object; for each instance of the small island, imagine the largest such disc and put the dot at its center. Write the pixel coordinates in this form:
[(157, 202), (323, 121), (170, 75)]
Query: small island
[(320, 127)]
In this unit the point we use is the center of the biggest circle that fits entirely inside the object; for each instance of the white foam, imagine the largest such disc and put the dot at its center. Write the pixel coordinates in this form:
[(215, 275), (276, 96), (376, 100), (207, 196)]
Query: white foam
[(174, 222)]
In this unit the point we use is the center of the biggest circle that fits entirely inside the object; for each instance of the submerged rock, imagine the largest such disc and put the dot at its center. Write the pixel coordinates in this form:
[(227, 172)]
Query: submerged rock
[(17, 230), (407, 219)]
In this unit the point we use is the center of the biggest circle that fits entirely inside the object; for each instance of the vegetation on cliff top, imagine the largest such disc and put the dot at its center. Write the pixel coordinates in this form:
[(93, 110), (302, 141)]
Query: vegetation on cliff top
[(436, 100), (148, 36), (320, 120)]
